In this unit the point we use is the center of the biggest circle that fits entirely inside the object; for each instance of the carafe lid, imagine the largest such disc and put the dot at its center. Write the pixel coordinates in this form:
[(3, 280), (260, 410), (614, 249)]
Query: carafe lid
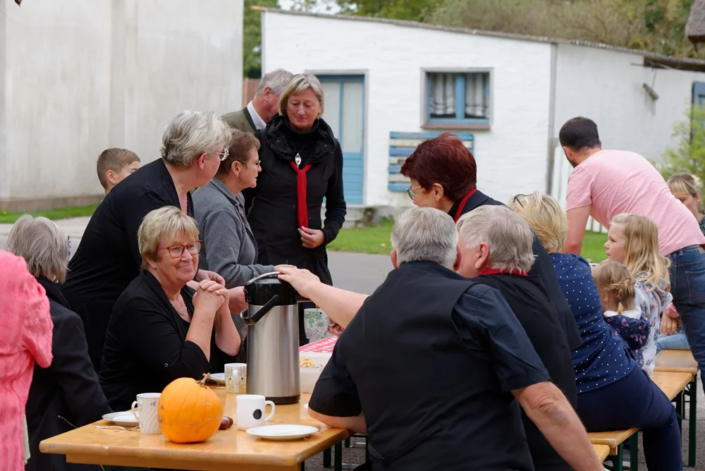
[(260, 290)]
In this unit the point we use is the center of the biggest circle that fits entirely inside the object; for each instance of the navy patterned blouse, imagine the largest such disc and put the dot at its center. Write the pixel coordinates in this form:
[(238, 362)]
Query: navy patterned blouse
[(603, 357)]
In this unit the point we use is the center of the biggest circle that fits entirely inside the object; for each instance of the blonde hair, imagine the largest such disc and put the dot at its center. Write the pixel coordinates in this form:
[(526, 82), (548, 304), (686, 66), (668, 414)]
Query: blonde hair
[(165, 223), (684, 184), (642, 255), (612, 278), (298, 84), (546, 218), (42, 244)]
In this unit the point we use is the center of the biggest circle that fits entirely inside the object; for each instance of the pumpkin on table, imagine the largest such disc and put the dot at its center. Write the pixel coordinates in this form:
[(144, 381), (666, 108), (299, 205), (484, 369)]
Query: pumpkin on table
[(189, 411)]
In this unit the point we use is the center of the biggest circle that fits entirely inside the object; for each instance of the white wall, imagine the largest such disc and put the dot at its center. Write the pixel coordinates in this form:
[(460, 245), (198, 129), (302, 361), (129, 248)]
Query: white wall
[(607, 86), (511, 156), (81, 76)]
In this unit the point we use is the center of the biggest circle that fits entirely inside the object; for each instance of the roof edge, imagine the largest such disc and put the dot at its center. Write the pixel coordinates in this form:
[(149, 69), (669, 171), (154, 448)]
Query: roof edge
[(655, 59)]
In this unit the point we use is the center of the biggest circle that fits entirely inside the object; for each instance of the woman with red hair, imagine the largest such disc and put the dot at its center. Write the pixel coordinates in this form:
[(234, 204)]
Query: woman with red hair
[(443, 175)]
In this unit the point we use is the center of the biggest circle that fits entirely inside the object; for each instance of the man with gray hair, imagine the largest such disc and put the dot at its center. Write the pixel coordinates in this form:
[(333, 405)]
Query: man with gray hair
[(265, 104), (496, 250), (431, 365)]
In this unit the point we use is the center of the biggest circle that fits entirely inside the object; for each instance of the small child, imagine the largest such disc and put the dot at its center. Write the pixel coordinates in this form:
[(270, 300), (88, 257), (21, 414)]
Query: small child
[(633, 241), (616, 287), (114, 165)]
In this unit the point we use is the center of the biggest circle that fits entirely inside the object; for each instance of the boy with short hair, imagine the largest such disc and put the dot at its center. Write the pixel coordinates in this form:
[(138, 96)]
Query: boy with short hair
[(114, 165)]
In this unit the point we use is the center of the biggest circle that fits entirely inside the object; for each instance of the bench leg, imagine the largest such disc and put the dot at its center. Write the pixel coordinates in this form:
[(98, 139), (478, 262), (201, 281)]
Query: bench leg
[(327, 459), (680, 409), (339, 457), (634, 452), (617, 459), (693, 403)]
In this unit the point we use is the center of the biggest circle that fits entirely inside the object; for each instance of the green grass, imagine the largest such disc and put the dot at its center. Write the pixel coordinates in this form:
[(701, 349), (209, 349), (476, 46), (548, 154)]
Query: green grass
[(61, 213), (375, 240)]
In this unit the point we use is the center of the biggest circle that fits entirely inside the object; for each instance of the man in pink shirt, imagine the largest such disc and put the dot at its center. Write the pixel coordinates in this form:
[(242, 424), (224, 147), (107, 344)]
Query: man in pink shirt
[(605, 183)]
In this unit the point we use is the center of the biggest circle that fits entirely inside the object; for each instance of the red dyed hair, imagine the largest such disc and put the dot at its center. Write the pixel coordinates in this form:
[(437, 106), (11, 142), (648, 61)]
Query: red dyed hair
[(443, 160)]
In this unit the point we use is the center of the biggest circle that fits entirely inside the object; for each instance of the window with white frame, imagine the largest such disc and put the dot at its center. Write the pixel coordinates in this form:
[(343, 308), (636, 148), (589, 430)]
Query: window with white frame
[(458, 98)]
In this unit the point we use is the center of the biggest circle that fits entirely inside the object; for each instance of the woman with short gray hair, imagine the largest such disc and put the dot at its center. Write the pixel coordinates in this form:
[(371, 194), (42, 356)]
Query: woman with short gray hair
[(193, 145), (302, 163), (69, 387)]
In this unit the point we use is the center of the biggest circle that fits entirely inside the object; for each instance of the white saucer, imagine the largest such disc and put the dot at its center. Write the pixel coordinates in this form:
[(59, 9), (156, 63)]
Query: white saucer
[(218, 378), (122, 418), (282, 432)]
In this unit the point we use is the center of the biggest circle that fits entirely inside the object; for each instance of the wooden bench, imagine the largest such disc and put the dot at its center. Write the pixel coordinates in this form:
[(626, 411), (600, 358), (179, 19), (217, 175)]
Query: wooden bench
[(682, 361), (602, 451), (672, 384)]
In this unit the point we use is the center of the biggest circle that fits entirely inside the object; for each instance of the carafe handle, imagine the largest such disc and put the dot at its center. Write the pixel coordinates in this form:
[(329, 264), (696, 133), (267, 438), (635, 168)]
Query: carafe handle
[(262, 311)]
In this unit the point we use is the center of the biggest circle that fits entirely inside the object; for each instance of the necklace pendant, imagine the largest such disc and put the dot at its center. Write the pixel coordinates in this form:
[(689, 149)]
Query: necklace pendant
[(297, 159)]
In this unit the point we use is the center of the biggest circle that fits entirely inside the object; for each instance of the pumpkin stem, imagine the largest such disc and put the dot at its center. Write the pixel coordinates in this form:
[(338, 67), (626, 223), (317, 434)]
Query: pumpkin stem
[(206, 377)]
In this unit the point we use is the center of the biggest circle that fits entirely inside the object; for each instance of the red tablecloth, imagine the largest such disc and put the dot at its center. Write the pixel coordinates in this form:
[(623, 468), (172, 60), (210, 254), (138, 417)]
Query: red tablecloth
[(321, 346)]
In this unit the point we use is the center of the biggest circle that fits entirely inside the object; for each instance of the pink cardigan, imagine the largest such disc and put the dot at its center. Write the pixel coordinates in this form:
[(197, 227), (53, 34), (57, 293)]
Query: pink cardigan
[(25, 337)]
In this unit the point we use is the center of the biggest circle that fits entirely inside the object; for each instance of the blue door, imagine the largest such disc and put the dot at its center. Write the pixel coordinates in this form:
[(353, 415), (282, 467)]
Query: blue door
[(698, 93), (344, 112)]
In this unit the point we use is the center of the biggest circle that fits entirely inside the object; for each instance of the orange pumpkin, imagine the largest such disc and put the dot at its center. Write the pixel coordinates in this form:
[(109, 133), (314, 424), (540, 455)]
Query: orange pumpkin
[(189, 412)]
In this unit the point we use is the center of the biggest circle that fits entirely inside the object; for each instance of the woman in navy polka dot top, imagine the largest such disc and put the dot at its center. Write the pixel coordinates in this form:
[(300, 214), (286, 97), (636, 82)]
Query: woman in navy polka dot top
[(613, 394)]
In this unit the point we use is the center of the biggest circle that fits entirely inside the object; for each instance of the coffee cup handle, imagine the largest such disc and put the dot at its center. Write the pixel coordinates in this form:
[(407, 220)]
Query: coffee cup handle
[(134, 410), (271, 413)]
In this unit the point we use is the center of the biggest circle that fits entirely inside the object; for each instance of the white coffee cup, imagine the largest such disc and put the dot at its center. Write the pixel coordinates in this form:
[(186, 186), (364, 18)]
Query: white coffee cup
[(250, 411), (145, 411), (236, 378)]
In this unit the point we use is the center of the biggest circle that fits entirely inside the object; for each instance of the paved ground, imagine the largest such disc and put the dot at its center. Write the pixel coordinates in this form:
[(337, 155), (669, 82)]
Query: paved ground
[(363, 273)]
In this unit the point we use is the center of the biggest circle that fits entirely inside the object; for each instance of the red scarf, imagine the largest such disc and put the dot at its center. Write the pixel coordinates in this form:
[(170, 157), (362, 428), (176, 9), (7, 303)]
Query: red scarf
[(495, 271), (301, 204), (463, 202)]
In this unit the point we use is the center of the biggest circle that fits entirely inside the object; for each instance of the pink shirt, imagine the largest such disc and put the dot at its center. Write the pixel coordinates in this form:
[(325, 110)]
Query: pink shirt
[(25, 337), (613, 182)]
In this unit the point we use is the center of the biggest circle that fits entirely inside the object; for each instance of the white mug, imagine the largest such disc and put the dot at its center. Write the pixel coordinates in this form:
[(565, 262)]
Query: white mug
[(236, 378), (250, 411), (145, 411)]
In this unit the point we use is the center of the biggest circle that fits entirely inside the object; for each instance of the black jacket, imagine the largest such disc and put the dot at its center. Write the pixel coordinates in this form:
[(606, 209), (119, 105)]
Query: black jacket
[(272, 204), (108, 258), (68, 388), (146, 346), (542, 267)]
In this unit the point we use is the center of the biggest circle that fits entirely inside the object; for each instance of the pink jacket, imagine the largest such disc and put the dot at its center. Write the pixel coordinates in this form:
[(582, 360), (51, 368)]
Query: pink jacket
[(25, 337)]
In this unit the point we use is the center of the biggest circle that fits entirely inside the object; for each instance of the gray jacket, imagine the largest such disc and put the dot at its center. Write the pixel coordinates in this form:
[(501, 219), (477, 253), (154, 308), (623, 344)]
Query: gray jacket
[(229, 248)]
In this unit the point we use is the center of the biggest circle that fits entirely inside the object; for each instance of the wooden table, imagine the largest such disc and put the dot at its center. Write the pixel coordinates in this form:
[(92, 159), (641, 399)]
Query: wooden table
[(226, 450)]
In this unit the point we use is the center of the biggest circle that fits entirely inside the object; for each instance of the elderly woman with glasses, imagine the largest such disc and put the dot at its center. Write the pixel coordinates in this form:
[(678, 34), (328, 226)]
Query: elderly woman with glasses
[(108, 258), (161, 329), (68, 391)]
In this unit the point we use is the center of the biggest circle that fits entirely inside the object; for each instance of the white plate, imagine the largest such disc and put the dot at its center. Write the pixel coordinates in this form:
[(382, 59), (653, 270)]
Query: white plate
[(218, 378), (122, 418), (282, 432)]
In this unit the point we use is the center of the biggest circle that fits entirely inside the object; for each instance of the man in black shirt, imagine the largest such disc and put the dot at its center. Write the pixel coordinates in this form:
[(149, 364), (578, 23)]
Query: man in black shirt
[(430, 366), (495, 250)]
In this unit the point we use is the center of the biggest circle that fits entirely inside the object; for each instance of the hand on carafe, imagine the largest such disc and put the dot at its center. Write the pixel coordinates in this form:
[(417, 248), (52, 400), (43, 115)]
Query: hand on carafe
[(302, 280)]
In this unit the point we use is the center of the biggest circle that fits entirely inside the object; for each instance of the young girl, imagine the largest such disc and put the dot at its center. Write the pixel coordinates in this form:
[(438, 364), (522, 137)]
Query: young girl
[(617, 291), (633, 241)]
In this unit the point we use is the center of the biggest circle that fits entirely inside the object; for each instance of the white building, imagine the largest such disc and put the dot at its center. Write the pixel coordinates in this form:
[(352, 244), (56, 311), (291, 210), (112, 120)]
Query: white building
[(78, 77), (389, 83)]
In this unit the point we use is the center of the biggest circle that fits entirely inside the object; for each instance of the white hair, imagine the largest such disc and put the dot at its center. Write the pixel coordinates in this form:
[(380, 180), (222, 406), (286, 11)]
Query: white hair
[(425, 235), (193, 133), (276, 80), (508, 236), (42, 244)]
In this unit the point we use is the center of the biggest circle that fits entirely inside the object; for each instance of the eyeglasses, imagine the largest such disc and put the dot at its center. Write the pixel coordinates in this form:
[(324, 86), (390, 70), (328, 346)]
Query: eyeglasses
[(177, 251), (517, 200), (257, 164), (412, 191), (224, 155)]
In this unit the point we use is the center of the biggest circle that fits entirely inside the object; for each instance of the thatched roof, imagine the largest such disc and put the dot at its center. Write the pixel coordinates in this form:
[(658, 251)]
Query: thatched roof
[(695, 28)]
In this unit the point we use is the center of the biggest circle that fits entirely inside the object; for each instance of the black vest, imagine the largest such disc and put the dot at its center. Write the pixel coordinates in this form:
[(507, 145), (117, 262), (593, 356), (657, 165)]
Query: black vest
[(429, 402)]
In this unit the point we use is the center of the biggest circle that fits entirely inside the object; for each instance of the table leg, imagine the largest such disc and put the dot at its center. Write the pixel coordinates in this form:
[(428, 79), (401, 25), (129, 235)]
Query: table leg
[(327, 459), (680, 408), (338, 457), (693, 393), (634, 452)]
